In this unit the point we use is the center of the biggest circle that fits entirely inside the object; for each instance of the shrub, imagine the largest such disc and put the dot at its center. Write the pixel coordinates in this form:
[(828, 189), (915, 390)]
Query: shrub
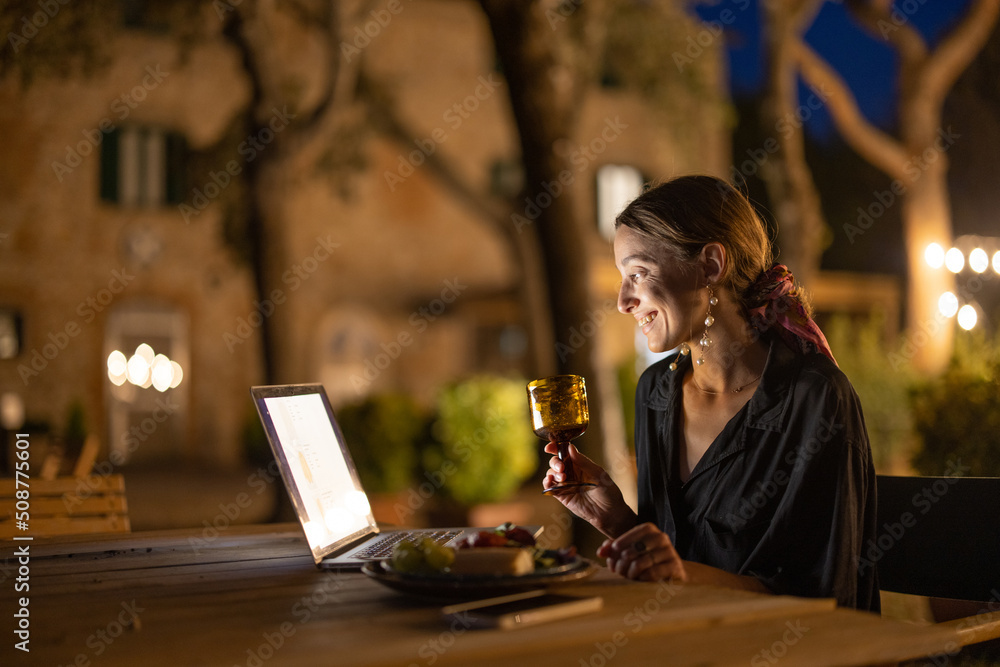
[(881, 382), (483, 449), (384, 433), (958, 414)]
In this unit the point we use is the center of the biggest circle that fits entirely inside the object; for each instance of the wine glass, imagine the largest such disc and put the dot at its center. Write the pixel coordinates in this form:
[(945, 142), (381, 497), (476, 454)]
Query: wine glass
[(559, 413)]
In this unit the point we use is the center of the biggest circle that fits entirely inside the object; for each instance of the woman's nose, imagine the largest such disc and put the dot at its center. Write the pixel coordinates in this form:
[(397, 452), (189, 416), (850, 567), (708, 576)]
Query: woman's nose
[(626, 302)]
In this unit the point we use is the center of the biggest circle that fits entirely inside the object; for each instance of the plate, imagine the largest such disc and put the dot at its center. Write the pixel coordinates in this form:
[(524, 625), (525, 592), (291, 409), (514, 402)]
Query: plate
[(452, 586)]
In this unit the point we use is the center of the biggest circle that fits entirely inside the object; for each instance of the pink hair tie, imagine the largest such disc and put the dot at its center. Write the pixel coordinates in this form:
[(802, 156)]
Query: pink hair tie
[(780, 305)]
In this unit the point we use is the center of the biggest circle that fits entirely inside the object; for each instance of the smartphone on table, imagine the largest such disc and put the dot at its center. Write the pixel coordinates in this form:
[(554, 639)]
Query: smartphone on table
[(521, 609)]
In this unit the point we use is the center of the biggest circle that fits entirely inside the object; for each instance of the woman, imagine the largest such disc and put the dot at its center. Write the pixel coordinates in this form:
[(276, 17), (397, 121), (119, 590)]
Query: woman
[(754, 468)]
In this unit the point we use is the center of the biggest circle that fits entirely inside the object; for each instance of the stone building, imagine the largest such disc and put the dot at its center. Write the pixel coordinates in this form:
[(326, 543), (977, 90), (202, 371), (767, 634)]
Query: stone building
[(110, 239)]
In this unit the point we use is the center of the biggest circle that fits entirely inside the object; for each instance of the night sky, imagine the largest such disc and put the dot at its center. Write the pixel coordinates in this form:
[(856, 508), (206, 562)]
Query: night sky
[(864, 60)]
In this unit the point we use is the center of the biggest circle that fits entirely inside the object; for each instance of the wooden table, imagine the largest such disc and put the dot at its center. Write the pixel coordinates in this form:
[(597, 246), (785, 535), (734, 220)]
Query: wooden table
[(252, 597)]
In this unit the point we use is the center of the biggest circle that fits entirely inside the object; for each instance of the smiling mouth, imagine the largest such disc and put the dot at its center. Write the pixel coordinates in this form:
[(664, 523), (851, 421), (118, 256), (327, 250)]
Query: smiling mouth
[(646, 320)]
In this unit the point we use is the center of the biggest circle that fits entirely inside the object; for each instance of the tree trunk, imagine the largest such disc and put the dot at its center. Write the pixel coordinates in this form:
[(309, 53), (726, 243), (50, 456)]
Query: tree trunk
[(927, 219), (794, 199), (266, 174), (916, 160), (543, 100)]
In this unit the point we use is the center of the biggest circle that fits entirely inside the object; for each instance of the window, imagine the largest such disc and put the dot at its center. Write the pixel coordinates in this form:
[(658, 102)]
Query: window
[(142, 167), (617, 185)]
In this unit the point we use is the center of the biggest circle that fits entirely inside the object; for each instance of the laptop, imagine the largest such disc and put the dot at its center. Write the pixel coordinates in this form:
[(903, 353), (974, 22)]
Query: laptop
[(323, 483)]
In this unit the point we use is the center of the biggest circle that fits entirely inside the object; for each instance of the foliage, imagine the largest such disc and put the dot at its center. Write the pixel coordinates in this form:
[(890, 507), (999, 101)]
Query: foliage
[(882, 381), (958, 414), (483, 446), (628, 380), (76, 422), (384, 434), (652, 49), (255, 446), (60, 42), (63, 40)]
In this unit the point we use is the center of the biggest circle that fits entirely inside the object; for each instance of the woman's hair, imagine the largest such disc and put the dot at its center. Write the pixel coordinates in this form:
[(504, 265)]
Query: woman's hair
[(687, 212)]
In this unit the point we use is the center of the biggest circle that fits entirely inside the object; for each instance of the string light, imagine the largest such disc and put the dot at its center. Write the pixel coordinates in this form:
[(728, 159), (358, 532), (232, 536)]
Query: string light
[(934, 255), (979, 261), (948, 304), (954, 260), (144, 369), (967, 317)]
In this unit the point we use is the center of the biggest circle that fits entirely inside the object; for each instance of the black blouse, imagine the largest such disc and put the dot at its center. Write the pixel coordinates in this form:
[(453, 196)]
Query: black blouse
[(786, 493)]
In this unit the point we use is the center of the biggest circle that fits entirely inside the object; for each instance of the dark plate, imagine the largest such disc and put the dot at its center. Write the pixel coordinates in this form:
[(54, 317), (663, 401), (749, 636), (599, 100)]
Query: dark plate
[(452, 586)]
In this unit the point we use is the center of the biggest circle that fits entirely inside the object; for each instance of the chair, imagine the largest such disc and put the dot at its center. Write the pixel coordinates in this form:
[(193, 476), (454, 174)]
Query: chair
[(66, 506), (73, 504), (939, 537)]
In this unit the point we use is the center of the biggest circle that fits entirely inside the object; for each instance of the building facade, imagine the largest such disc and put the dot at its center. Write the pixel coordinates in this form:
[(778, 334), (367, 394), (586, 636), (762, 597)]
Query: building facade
[(118, 193)]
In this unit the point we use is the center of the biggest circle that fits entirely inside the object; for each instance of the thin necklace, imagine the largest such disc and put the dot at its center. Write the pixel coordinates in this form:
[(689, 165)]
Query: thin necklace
[(716, 393)]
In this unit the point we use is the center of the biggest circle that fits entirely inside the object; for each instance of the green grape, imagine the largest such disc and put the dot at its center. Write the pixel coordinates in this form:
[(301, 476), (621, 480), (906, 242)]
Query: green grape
[(406, 557), (439, 557)]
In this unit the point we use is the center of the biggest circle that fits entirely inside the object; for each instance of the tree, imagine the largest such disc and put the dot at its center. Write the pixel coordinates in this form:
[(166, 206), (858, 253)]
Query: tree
[(546, 52), (789, 181), (916, 159), (248, 27), (75, 41)]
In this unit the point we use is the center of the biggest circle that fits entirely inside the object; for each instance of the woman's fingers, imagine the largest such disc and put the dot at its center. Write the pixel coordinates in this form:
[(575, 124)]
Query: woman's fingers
[(655, 565), (643, 553)]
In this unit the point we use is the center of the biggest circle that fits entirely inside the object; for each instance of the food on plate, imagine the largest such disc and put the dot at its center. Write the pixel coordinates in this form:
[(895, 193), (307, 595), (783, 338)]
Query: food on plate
[(493, 560), (507, 550), (504, 535), (425, 556)]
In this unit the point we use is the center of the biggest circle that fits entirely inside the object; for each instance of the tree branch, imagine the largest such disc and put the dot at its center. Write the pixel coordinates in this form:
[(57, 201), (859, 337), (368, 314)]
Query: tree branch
[(343, 79), (958, 49), (382, 114), (803, 14), (877, 147), (876, 16)]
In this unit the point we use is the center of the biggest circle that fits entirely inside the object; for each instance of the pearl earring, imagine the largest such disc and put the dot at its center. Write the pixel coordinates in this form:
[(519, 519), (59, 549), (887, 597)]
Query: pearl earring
[(685, 350), (705, 341)]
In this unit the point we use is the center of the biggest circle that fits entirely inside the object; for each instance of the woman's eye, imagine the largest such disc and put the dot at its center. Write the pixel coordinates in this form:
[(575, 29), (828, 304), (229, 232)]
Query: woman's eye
[(635, 277)]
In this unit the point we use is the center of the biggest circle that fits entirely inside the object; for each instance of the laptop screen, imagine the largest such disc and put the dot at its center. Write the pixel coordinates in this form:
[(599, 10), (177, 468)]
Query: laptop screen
[(315, 464)]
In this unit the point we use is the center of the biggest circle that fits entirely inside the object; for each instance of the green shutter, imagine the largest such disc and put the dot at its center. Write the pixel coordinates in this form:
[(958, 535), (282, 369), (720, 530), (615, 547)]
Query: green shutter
[(176, 167), (109, 166)]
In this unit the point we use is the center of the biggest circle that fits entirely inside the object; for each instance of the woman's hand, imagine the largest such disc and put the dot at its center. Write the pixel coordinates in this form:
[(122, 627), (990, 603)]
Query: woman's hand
[(644, 553), (603, 505)]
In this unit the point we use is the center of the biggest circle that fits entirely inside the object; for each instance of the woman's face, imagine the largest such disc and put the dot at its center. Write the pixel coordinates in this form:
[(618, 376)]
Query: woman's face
[(658, 291)]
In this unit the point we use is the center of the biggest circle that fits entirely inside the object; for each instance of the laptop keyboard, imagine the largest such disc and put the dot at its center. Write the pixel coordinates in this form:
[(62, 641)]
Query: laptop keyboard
[(383, 547)]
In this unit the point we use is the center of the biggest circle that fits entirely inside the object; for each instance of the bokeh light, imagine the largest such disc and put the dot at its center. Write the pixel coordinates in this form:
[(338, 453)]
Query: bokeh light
[(934, 255), (967, 317), (954, 260), (117, 368), (144, 369), (948, 304), (979, 261)]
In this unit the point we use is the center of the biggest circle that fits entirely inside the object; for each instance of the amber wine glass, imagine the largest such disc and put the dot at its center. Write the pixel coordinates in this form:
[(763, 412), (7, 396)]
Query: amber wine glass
[(559, 413)]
